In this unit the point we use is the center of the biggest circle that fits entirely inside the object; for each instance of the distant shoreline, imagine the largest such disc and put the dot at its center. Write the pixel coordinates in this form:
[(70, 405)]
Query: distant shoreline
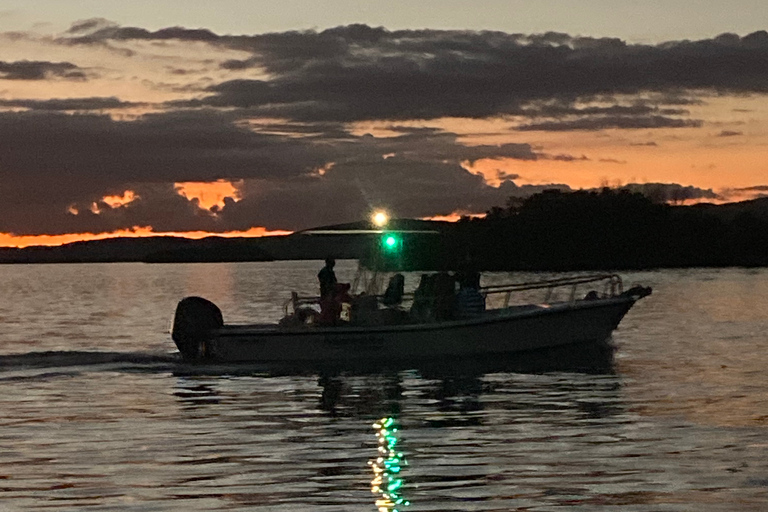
[(551, 231)]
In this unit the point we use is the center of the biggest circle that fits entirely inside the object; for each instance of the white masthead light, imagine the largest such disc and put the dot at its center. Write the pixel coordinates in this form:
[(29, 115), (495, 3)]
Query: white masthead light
[(380, 218)]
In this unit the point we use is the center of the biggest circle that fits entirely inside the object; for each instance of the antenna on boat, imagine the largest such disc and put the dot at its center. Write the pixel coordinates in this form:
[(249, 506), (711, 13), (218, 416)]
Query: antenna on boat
[(390, 246)]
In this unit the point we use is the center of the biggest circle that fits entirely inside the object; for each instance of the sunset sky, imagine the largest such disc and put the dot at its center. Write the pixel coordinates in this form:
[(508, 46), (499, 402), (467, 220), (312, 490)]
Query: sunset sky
[(244, 117)]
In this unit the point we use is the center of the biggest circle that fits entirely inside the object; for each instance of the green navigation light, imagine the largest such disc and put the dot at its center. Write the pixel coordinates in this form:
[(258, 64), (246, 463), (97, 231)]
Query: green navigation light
[(391, 243)]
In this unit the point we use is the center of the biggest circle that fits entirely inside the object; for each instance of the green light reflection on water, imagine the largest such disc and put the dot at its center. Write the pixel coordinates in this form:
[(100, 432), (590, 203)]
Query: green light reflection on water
[(386, 468)]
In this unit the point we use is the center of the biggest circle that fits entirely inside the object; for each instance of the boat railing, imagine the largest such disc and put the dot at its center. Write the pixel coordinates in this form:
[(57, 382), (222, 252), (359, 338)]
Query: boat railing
[(296, 301), (610, 285)]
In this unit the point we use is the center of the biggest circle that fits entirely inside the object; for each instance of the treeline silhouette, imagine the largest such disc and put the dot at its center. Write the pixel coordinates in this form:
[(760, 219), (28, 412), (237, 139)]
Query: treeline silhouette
[(609, 229)]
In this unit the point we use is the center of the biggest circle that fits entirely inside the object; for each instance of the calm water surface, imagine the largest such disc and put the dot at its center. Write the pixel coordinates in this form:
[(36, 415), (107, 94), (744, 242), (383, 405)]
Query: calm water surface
[(96, 412)]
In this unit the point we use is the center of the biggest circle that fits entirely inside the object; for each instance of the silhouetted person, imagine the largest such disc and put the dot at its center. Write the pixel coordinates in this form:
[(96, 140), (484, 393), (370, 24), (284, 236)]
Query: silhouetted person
[(469, 301), (395, 290), (327, 278), (423, 298), (445, 297), (332, 294), (467, 275)]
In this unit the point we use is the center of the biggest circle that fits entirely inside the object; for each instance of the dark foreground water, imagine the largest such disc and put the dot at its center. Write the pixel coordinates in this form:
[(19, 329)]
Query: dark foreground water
[(97, 413)]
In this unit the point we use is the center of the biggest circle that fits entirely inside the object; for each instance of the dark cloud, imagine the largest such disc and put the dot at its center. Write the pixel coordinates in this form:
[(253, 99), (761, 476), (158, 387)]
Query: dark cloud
[(65, 104), (98, 30), (729, 133), (234, 64), (650, 143), (435, 145), (39, 70), (53, 163), (173, 146), (671, 192), (90, 25), (562, 116), (416, 174), (559, 110), (612, 161), (756, 188), (744, 193), (606, 122), (504, 176), (675, 97), (350, 190), (156, 205), (358, 72), (567, 158)]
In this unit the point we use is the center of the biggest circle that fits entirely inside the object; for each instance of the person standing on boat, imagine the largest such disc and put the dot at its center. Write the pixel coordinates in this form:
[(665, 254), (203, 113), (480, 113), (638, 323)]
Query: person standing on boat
[(332, 294), (327, 278)]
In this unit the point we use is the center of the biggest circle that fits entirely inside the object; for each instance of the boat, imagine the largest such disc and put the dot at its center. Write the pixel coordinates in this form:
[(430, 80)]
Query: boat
[(566, 315)]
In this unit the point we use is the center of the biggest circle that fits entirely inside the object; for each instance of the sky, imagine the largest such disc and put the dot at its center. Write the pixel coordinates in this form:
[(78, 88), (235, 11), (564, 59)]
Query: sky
[(249, 118)]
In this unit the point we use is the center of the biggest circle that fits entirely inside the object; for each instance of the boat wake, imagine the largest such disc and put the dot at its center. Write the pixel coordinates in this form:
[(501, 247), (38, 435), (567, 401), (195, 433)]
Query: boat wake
[(596, 358), (16, 366)]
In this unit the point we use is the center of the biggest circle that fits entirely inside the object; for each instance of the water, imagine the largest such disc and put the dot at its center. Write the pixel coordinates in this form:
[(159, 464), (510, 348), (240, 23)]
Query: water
[(97, 413)]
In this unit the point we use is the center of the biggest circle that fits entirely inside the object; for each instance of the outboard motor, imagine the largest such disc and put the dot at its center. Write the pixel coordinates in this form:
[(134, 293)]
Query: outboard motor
[(195, 318)]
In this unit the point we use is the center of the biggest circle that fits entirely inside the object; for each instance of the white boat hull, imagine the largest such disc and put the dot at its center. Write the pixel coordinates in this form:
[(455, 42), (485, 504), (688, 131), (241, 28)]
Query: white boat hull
[(505, 331)]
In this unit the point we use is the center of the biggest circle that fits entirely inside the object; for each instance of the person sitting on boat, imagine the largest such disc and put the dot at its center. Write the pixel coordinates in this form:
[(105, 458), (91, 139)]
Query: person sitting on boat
[(332, 304), (445, 296), (421, 309), (434, 298), (327, 278), (469, 301), (393, 295)]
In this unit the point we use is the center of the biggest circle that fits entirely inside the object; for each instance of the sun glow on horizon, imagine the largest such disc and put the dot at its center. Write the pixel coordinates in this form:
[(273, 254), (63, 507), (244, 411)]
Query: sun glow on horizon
[(21, 241), (454, 217)]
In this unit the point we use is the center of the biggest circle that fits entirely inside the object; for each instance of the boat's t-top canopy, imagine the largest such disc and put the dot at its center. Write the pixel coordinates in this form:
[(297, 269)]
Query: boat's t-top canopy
[(564, 289), (369, 231)]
